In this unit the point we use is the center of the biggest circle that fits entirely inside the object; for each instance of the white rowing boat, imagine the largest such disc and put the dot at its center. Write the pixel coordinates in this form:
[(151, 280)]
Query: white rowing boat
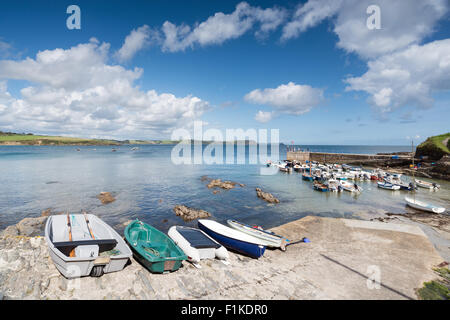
[(82, 245), (270, 239), (427, 185), (388, 186), (424, 206)]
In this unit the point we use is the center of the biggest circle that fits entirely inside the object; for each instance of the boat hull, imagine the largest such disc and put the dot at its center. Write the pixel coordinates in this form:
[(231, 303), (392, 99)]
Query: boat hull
[(250, 249), (79, 266), (152, 248), (271, 239), (416, 204), (194, 251)]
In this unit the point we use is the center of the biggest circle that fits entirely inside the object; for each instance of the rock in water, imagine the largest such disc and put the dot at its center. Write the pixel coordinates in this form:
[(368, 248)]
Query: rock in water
[(106, 197), (266, 196), (218, 183), (189, 214)]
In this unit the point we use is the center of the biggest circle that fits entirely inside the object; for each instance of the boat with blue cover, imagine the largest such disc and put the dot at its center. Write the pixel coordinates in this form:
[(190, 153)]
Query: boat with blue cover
[(233, 239)]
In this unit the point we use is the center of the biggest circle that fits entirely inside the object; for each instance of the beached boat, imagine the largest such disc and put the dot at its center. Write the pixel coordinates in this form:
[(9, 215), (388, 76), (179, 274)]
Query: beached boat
[(351, 187), (82, 245), (320, 186), (427, 185), (271, 239), (196, 244), (424, 206), (388, 186), (155, 250), (233, 239)]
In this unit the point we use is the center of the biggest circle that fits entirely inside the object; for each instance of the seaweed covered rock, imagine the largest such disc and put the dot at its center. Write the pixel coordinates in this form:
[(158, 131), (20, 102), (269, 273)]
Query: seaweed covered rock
[(189, 214), (218, 183), (266, 196), (106, 197)]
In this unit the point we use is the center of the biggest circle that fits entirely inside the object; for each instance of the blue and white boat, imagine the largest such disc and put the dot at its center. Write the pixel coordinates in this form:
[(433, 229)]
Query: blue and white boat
[(233, 239), (388, 186)]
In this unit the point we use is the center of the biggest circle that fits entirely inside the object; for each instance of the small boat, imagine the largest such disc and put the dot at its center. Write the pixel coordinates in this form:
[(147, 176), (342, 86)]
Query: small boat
[(421, 205), (82, 245), (134, 148), (320, 186), (427, 185), (307, 177), (233, 239), (156, 251), (334, 185), (388, 186), (285, 169), (271, 239), (351, 187), (196, 244)]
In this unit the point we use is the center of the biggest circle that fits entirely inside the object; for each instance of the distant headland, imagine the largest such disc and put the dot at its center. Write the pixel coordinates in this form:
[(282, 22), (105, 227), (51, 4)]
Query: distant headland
[(30, 139)]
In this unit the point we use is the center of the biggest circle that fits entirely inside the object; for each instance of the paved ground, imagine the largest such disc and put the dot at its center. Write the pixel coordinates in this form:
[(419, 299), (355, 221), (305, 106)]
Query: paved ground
[(339, 263)]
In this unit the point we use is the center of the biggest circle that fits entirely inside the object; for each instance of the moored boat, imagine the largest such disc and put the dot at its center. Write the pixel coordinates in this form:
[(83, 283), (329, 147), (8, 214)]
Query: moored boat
[(271, 239), (351, 187), (155, 250), (424, 206), (427, 185), (320, 186), (388, 186), (233, 239), (82, 245), (307, 177), (196, 244)]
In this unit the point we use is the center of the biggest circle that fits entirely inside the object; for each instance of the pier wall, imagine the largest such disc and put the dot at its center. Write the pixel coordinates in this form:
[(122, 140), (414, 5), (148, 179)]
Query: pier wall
[(302, 156)]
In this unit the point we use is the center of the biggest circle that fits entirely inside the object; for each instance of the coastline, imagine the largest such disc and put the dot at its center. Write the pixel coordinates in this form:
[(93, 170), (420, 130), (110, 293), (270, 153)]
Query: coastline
[(336, 264)]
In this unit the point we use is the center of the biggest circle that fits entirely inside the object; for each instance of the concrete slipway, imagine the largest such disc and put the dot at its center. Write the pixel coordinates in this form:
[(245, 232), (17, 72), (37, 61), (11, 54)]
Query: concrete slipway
[(346, 259)]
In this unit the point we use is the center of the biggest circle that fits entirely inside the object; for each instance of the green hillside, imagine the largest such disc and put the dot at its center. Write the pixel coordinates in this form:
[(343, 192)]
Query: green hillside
[(434, 147)]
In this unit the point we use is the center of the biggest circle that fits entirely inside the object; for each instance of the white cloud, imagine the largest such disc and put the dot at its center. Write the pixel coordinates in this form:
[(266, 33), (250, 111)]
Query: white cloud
[(403, 23), (407, 77), (222, 27), (288, 98), (263, 116), (77, 91), (137, 40)]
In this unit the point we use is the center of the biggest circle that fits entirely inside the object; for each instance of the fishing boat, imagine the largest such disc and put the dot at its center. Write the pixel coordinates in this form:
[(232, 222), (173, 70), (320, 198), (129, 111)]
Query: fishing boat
[(351, 187), (320, 186), (82, 245), (388, 186), (152, 248), (286, 169), (233, 239), (271, 239), (196, 244), (334, 185), (307, 177), (427, 185), (424, 206)]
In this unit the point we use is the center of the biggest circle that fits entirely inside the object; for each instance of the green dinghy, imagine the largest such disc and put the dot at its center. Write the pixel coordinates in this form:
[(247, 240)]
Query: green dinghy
[(156, 251)]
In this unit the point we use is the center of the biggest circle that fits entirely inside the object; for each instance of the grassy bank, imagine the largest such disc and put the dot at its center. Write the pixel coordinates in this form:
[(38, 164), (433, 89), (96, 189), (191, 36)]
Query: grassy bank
[(434, 147)]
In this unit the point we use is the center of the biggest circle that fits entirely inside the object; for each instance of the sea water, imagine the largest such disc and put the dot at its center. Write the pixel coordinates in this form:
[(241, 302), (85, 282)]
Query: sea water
[(147, 186)]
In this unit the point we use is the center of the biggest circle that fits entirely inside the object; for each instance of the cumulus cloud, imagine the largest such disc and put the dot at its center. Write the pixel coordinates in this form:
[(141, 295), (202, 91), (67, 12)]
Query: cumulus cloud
[(222, 27), (137, 40), (288, 98), (409, 76), (75, 90), (403, 23), (263, 116)]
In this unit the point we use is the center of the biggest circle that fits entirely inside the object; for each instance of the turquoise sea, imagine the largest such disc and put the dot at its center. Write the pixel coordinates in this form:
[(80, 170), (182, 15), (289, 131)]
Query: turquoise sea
[(147, 185)]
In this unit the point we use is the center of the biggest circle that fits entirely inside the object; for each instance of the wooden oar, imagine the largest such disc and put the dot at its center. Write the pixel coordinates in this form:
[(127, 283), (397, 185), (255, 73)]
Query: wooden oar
[(88, 225), (72, 252)]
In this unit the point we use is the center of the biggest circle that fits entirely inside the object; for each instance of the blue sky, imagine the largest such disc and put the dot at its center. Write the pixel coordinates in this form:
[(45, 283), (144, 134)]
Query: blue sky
[(224, 68)]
